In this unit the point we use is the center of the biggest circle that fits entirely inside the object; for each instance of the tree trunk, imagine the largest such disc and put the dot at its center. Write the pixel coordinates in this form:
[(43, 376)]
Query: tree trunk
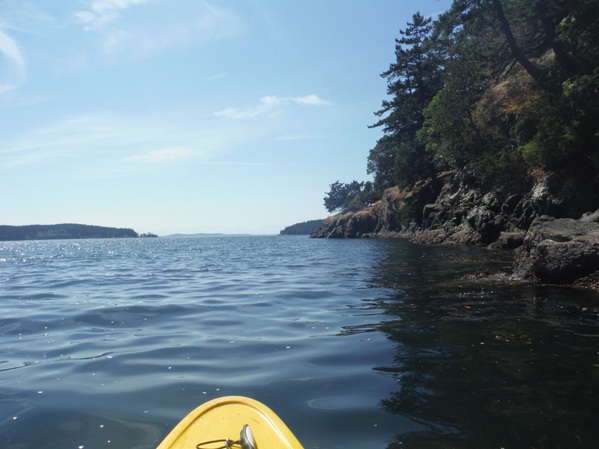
[(532, 69), (561, 54)]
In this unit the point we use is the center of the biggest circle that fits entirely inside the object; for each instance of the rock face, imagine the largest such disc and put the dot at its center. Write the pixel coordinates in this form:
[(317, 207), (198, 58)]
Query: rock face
[(559, 251), (378, 220), (453, 209), (348, 225), (447, 209)]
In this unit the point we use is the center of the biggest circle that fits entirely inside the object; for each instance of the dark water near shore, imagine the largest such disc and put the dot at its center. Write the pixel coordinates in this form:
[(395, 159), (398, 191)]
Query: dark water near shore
[(355, 344)]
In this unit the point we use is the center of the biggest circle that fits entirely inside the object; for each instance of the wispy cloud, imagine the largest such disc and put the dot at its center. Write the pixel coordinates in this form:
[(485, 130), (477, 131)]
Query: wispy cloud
[(269, 106), (15, 62), (102, 12), (109, 144), (163, 155), (101, 141), (65, 139), (310, 100), (139, 27), (218, 76)]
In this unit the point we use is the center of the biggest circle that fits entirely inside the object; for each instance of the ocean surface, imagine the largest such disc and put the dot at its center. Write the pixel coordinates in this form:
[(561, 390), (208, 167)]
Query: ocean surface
[(353, 343)]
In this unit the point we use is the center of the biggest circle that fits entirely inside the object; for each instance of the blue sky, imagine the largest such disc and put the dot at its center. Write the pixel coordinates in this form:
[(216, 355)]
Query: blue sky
[(185, 116)]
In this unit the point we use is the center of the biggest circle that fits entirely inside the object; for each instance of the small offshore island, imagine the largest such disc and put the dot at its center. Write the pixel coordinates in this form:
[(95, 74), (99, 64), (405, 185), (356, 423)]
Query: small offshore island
[(65, 231)]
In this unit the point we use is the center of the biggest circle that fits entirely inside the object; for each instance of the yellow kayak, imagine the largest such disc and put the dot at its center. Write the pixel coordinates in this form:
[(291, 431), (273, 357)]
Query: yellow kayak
[(231, 422)]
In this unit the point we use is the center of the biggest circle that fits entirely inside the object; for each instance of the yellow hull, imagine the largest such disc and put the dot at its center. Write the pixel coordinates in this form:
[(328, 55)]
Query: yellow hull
[(224, 418)]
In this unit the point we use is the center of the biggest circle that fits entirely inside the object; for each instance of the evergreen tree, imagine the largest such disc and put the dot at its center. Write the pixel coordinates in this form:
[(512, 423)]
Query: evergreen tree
[(349, 196), (381, 163), (487, 43), (466, 36), (494, 88), (412, 81)]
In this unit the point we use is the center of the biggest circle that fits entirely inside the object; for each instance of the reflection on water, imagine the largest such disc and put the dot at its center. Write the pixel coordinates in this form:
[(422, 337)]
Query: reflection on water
[(487, 365), (355, 344)]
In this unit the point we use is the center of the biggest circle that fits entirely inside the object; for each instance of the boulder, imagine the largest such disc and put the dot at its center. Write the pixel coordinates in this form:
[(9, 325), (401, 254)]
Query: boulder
[(559, 250)]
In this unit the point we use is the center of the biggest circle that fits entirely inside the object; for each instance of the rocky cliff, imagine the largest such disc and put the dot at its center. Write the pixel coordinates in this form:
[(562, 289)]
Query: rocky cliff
[(452, 208)]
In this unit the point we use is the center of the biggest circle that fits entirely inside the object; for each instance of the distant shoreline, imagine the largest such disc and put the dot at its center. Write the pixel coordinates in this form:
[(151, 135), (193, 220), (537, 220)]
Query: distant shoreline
[(200, 234), (66, 231), (74, 231)]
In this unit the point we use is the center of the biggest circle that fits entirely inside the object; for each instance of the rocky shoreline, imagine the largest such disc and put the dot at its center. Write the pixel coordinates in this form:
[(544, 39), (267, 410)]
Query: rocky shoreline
[(553, 228)]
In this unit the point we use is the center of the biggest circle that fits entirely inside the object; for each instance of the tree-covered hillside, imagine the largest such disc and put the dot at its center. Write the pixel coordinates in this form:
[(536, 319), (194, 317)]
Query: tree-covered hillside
[(304, 228), (63, 231), (503, 90)]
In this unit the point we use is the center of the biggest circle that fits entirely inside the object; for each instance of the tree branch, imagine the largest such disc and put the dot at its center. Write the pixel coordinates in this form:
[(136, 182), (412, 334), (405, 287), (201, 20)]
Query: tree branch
[(532, 69)]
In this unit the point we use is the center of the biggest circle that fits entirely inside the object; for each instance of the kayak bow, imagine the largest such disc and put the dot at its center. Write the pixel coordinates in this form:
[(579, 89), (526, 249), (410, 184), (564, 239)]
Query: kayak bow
[(228, 421)]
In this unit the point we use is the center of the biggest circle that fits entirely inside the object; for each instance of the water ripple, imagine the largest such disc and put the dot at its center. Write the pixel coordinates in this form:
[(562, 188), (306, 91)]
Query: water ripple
[(109, 343)]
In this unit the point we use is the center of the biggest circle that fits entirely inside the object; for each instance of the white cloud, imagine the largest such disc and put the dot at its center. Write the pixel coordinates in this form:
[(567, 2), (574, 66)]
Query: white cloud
[(163, 155), (156, 25), (266, 105), (102, 12), (310, 100), (15, 61), (269, 106)]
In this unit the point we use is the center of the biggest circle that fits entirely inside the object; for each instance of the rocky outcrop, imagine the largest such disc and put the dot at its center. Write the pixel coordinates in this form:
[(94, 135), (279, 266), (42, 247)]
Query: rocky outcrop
[(379, 219), (559, 251), (348, 225), (454, 209), (446, 209)]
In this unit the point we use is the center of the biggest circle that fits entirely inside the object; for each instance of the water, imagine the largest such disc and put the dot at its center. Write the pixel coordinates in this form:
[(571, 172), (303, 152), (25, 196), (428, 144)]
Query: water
[(355, 344)]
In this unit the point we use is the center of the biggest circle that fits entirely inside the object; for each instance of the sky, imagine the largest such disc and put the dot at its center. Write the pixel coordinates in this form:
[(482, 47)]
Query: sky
[(189, 116)]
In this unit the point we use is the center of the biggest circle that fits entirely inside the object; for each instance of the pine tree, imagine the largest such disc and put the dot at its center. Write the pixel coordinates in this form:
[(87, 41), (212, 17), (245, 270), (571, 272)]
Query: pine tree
[(412, 81)]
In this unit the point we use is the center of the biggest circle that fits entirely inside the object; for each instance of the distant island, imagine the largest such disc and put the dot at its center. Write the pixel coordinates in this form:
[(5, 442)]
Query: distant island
[(65, 231), (201, 234), (304, 228)]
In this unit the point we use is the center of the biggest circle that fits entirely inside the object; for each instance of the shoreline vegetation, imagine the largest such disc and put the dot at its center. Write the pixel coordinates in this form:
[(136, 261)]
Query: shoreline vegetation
[(490, 137), (66, 231), (303, 228)]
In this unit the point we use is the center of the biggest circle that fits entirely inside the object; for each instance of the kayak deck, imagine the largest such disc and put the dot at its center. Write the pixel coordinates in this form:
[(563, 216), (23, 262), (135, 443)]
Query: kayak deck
[(223, 419)]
